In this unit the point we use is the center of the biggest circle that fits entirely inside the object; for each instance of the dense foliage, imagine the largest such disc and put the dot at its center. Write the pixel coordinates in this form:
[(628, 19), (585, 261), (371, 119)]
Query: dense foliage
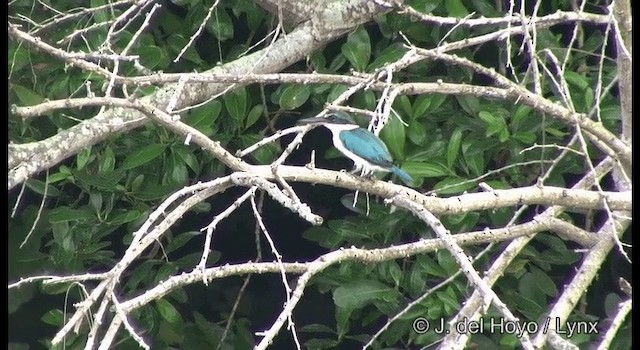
[(85, 209)]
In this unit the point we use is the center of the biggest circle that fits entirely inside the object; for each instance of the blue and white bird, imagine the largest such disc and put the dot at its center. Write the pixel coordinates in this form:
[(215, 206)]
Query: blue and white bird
[(367, 151)]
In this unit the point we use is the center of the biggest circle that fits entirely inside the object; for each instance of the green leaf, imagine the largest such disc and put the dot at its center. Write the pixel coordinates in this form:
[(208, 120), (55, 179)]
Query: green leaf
[(453, 148), (18, 58), (177, 173), (424, 6), (59, 176), (95, 199), (338, 61), (100, 16), (106, 182), (437, 101), (529, 308), (316, 328), (578, 80), (180, 240), (494, 123), (335, 92), (202, 207), (544, 282), (323, 236), (203, 117), (220, 25), (520, 115), (137, 182), (448, 297), (255, 15), (143, 156), (357, 294), (417, 280), (455, 8), (62, 236), (263, 155), (294, 96), (555, 132), (503, 135), (153, 192), (453, 185), (554, 242), (588, 97), (393, 134), (421, 105), (53, 317), (168, 311), (447, 261), (37, 186), (528, 288), (26, 96), (357, 49), (177, 42), (364, 100), (525, 137), (403, 104), (107, 161), (611, 302), (430, 266), (485, 8), (317, 61), (423, 169), (124, 216), (65, 214), (433, 150), (342, 320), (469, 104), (418, 32), (396, 272), (186, 155), (152, 57), (84, 157), (474, 159), (164, 271), (254, 114), (390, 54), (417, 133), (236, 103), (16, 297)]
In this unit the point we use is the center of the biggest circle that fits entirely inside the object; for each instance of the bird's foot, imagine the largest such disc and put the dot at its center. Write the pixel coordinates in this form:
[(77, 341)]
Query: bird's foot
[(363, 174)]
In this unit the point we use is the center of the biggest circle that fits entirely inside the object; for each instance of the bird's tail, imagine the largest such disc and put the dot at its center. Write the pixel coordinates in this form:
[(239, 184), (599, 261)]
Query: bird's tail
[(408, 180)]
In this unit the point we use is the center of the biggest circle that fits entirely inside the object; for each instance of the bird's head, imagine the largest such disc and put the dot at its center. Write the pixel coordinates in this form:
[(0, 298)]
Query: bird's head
[(337, 117)]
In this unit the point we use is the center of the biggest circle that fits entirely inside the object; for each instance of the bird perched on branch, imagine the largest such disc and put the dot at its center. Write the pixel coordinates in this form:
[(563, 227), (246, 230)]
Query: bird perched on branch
[(367, 151)]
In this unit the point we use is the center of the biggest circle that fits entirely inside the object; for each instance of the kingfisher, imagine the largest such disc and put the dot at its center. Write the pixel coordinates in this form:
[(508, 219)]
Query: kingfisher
[(363, 147)]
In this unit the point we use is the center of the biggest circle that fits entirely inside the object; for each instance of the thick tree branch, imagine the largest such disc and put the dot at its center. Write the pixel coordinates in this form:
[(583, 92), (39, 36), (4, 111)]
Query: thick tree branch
[(624, 42)]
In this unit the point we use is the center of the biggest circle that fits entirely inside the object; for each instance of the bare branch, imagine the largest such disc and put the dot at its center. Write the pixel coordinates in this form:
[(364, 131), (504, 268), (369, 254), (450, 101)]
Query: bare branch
[(622, 311), (583, 277), (510, 19), (471, 309), (38, 44)]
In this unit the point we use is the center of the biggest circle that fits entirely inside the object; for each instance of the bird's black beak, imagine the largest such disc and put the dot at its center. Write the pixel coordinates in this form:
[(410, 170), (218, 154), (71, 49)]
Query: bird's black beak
[(312, 120)]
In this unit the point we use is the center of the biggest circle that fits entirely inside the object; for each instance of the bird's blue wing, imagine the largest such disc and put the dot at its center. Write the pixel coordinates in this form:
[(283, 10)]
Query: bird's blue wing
[(368, 146)]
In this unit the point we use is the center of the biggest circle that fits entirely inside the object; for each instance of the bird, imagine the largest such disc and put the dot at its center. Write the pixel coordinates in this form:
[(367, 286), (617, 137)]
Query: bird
[(364, 148)]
